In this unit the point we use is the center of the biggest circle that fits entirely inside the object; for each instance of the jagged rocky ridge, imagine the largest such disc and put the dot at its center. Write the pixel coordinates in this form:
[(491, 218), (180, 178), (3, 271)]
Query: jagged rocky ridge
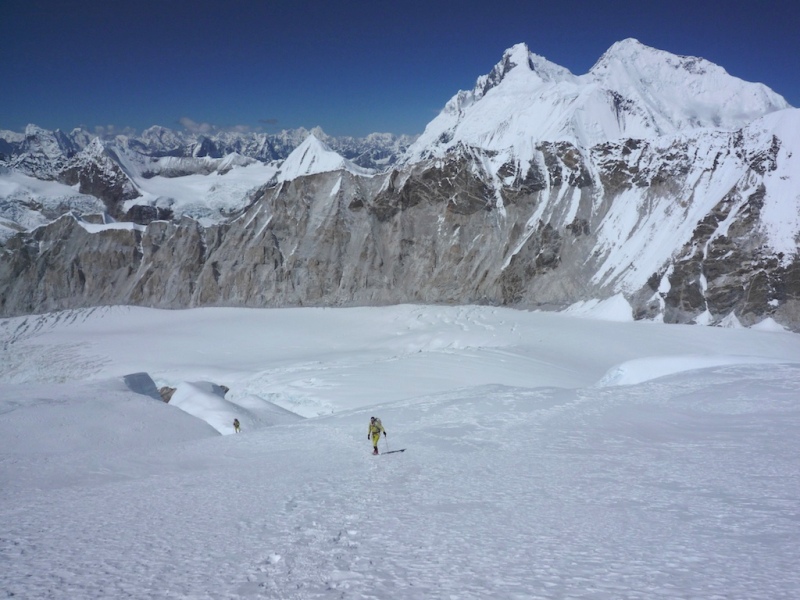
[(111, 168), (699, 224)]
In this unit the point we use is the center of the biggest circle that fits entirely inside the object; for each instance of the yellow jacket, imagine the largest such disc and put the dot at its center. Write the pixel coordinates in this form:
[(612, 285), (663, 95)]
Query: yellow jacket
[(375, 428)]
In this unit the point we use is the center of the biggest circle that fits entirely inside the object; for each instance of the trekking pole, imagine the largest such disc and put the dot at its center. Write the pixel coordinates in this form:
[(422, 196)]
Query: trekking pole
[(386, 443)]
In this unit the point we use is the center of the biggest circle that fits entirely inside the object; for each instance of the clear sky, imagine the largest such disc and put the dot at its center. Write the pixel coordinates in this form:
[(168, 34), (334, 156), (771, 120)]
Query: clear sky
[(352, 67)]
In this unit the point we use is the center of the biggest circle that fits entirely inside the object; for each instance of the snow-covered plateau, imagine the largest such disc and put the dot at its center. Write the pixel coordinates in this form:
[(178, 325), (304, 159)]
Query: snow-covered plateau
[(547, 456)]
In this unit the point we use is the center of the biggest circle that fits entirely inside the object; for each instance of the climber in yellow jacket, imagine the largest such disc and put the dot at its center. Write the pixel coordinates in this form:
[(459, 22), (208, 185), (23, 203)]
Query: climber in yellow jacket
[(375, 429)]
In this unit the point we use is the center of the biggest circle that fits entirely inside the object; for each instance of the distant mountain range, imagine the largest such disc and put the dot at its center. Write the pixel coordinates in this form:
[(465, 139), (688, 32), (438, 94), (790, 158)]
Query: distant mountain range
[(123, 176), (655, 181), (40, 153)]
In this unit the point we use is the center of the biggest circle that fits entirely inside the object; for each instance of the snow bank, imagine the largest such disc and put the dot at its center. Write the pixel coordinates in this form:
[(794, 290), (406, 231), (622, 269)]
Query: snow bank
[(99, 227), (644, 369), (615, 308), (207, 402), (768, 324)]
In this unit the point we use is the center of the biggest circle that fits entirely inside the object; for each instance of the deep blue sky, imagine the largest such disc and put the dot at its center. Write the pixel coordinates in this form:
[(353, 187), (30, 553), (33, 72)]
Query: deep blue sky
[(351, 67)]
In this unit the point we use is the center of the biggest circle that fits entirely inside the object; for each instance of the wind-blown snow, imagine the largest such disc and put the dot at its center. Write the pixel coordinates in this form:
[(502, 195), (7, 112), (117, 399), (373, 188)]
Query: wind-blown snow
[(645, 369), (546, 456)]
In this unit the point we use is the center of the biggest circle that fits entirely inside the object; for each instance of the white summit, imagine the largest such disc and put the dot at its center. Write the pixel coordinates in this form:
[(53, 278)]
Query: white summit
[(314, 156), (633, 91)]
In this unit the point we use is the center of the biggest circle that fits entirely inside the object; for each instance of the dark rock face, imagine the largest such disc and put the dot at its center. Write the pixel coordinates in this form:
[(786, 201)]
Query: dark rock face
[(540, 254), (62, 265), (144, 214), (108, 183), (452, 185), (545, 233), (730, 273)]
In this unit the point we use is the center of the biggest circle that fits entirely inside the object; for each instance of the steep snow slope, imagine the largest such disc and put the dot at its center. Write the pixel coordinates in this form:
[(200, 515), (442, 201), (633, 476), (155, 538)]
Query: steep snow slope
[(780, 214), (645, 229)]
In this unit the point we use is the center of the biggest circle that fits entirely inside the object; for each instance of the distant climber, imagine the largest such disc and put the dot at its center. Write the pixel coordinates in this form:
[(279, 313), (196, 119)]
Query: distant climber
[(375, 429), (236, 425)]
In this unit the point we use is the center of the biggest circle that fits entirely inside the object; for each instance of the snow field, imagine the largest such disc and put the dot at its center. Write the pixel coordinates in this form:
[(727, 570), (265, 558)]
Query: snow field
[(677, 486)]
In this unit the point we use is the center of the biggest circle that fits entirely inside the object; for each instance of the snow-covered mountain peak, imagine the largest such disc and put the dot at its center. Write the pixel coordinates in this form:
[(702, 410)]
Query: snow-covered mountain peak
[(43, 153), (523, 66), (634, 56), (94, 152), (633, 91), (626, 49), (690, 91), (32, 130), (160, 138), (314, 156), (518, 53), (516, 57)]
